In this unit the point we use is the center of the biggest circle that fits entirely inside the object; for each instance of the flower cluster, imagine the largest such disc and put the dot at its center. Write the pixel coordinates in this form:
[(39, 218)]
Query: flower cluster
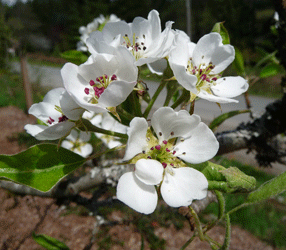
[(106, 88)]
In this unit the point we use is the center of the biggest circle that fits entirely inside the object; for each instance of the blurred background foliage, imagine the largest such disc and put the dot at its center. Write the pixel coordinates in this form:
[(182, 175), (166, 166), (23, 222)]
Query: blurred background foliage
[(51, 26)]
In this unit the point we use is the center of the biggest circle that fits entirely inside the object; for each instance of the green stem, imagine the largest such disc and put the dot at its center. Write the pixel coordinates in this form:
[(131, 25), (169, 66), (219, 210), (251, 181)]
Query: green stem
[(189, 241), (124, 114), (105, 152), (86, 125), (136, 104), (211, 241), (221, 212), (226, 243), (171, 90), (154, 98), (192, 107), (221, 203), (198, 223), (185, 96)]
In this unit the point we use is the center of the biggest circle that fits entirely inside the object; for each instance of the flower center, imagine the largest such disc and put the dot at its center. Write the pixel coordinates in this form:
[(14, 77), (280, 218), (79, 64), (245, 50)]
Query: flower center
[(97, 87), (137, 46), (203, 72)]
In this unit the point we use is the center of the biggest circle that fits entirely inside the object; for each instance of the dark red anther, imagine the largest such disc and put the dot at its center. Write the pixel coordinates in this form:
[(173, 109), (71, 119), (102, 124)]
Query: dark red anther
[(165, 142), (51, 120), (158, 147), (63, 118), (203, 77), (114, 77), (174, 152), (98, 91), (86, 90), (91, 83), (168, 150), (214, 78), (164, 164)]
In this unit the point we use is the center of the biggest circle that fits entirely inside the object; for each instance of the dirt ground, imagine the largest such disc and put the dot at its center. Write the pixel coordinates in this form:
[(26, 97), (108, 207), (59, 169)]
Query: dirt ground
[(22, 215)]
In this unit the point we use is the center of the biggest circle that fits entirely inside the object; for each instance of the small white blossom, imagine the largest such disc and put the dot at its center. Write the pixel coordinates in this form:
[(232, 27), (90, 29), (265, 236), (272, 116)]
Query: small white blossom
[(197, 68), (77, 142), (96, 24), (58, 111), (159, 160), (104, 81), (143, 38)]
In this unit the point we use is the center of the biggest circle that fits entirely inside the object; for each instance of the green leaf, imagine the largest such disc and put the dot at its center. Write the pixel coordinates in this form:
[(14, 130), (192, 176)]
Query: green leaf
[(271, 69), (49, 242), (40, 166), (237, 180), (220, 119), (228, 179), (74, 56), (219, 28), (268, 189), (238, 63)]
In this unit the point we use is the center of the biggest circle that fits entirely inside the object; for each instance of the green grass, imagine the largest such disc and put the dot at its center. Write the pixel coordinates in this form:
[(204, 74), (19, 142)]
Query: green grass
[(268, 87), (12, 93)]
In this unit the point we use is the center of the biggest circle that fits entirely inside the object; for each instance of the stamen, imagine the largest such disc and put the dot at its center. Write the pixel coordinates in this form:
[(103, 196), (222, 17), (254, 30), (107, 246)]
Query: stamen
[(160, 133), (86, 90), (63, 118), (98, 91), (91, 83), (172, 133), (114, 77), (174, 152), (164, 164), (51, 120), (165, 142), (168, 150), (158, 147)]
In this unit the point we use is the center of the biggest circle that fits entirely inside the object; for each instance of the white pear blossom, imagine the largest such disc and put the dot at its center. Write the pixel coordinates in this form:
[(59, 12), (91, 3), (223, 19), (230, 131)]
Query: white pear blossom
[(197, 68), (159, 160), (143, 38), (106, 122), (96, 24), (77, 141), (104, 81), (58, 111)]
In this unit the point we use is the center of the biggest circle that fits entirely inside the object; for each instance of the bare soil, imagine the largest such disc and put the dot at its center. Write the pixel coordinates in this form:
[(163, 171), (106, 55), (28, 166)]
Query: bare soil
[(22, 215)]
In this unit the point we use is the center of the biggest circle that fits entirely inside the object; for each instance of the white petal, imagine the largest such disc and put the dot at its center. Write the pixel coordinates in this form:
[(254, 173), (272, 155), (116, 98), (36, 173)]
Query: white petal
[(229, 87), (201, 146), (55, 131), (67, 144), (187, 80), (211, 49), (75, 87), (149, 171), (213, 98), (115, 93), (34, 129), (135, 194), (69, 107), (173, 124), (53, 96), (178, 59), (85, 150), (185, 185), (158, 67), (44, 110), (136, 137)]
